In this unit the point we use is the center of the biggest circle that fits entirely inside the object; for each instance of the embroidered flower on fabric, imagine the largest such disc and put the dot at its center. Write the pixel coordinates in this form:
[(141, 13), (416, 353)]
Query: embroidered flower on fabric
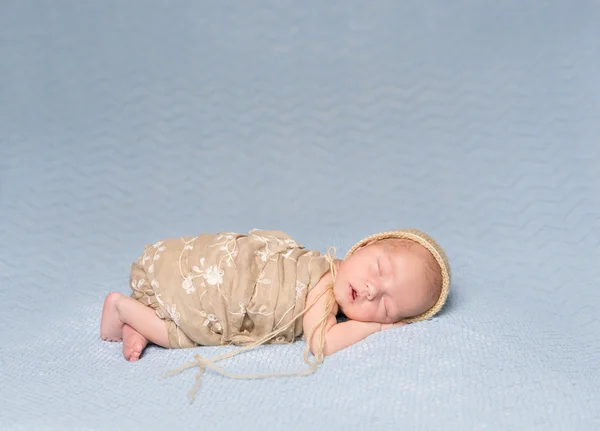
[(214, 275), (291, 243), (158, 247), (173, 314), (137, 284), (188, 284), (262, 280), (299, 288), (211, 319)]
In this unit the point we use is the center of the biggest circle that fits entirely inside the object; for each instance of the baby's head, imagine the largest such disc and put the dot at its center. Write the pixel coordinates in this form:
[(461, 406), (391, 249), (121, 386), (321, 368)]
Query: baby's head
[(394, 276)]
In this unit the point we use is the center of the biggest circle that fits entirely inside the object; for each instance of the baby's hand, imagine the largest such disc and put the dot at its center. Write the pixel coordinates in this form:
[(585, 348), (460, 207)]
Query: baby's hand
[(385, 326)]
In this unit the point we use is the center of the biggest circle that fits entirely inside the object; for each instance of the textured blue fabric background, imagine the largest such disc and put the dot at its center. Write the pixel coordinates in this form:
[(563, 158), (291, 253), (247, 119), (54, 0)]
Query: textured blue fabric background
[(478, 121)]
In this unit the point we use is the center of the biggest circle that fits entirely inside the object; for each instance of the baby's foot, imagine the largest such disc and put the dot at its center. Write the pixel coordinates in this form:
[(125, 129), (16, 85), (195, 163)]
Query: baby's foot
[(133, 343), (111, 327)]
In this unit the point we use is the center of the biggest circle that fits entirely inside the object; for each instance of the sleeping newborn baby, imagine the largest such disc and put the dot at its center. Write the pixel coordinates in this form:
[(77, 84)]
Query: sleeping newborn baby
[(263, 288)]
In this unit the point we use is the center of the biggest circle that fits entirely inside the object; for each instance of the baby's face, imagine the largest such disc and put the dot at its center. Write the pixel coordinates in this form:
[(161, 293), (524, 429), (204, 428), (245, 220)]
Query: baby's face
[(384, 284)]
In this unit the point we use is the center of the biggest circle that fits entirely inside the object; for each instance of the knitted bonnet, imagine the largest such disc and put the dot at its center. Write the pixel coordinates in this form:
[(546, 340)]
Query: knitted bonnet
[(432, 246)]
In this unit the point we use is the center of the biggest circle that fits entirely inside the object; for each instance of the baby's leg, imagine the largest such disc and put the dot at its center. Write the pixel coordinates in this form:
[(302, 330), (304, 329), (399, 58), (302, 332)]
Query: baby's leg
[(133, 322), (111, 327), (143, 319)]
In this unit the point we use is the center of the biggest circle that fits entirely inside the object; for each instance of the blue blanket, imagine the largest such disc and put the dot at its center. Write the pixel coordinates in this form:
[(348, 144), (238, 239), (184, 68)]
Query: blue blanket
[(126, 122)]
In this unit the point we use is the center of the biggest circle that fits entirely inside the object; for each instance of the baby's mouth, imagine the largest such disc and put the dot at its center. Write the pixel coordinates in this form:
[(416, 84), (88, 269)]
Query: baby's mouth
[(353, 293)]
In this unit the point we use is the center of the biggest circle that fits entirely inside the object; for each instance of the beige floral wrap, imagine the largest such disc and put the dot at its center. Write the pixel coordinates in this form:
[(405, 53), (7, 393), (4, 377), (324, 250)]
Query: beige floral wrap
[(227, 288)]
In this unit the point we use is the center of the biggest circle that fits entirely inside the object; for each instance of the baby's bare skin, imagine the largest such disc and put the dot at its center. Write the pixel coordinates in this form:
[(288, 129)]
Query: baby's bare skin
[(134, 343), (111, 327), (124, 318)]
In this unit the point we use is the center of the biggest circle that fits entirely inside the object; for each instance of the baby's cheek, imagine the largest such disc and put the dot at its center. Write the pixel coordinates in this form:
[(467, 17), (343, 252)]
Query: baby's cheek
[(370, 311)]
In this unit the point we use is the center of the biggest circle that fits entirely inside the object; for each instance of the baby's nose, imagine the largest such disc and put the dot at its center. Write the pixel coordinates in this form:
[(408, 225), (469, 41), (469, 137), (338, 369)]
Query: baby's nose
[(371, 291)]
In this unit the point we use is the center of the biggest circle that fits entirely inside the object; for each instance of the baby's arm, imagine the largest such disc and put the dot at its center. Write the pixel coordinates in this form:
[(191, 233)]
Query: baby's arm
[(342, 335), (338, 336)]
